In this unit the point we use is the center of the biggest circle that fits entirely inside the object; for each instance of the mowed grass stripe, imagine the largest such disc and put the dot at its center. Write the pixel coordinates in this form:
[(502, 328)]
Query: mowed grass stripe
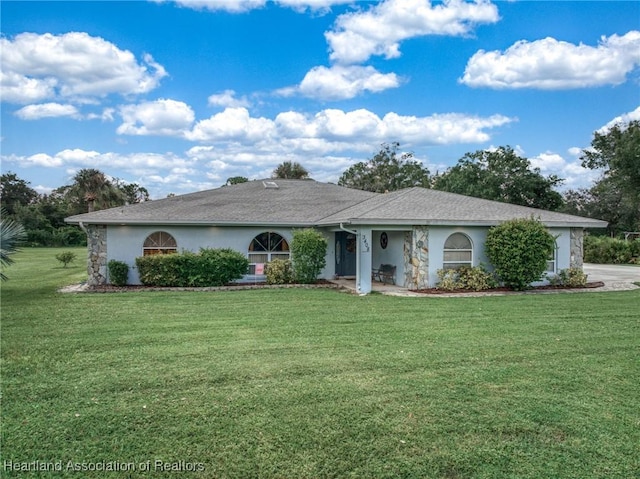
[(317, 383)]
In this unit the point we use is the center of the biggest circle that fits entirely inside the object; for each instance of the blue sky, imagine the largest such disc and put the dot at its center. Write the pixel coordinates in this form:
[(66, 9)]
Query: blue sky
[(179, 96)]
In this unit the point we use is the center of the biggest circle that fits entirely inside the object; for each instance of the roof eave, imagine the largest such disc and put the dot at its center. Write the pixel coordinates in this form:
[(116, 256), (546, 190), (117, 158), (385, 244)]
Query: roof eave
[(441, 222), (112, 222)]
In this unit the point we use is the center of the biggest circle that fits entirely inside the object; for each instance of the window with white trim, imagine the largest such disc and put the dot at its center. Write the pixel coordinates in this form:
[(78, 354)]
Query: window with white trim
[(266, 247), (458, 251), (552, 260), (159, 242)]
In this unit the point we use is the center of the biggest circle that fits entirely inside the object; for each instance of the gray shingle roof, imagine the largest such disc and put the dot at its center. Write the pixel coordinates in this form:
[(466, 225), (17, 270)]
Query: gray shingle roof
[(425, 206), (311, 203), (293, 202)]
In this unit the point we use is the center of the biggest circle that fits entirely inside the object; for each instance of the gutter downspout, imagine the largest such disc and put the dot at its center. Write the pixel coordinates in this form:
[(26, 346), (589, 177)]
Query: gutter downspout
[(355, 232)]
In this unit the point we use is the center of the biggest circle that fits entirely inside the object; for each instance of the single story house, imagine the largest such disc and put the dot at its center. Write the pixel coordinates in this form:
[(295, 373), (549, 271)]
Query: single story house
[(417, 230)]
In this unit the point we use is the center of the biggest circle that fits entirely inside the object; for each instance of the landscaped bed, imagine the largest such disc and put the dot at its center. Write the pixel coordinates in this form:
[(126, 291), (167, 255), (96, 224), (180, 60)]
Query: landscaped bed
[(503, 289), (309, 383)]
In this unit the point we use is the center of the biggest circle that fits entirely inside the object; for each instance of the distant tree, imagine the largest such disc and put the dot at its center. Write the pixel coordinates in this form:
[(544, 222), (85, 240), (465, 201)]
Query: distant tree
[(290, 171), (501, 175), (388, 170), (14, 192), (236, 180), (11, 235), (92, 190), (133, 193), (616, 195)]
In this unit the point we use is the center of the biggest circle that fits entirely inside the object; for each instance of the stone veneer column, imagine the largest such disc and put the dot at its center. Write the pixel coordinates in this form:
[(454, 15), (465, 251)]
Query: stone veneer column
[(97, 254), (575, 248), (416, 258)]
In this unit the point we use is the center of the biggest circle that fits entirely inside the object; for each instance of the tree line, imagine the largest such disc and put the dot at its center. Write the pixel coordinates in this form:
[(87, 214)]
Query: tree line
[(499, 174), (42, 215)]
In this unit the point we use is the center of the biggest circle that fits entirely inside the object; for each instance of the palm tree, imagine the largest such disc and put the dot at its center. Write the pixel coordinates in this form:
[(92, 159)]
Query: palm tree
[(11, 235), (92, 187), (290, 171)]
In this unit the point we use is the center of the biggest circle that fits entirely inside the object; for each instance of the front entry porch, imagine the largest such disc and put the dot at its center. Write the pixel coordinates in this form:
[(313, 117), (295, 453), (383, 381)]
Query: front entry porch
[(376, 286)]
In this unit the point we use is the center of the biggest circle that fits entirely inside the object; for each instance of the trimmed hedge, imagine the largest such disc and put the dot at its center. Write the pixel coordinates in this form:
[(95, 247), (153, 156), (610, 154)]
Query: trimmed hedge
[(605, 250), (308, 255), (209, 267), (518, 249), (118, 272)]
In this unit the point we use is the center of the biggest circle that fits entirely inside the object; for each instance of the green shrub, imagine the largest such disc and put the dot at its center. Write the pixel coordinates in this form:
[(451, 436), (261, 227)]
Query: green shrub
[(476, 278), (209, 267), (118, 272), (635, 251), (69, 236), (448, 279), (279, 271), (39, 238), (605, 250), (308, 254), (66, 257), (518, 250), (571, 277), (472, 279)]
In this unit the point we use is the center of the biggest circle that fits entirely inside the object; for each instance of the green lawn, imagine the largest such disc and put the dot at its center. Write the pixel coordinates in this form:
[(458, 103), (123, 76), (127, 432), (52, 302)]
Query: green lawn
[(315, 383)]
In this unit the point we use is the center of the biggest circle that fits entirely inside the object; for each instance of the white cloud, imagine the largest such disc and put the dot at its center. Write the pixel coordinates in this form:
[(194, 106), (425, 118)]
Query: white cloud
[(443, 129), (571, 171), (228, 98), (161, 117), (43, 190), (232, 6), (380, 29), (77, 156), (233, 124), (575, 151), (74, 66), (625, 118), (326, 131), (551, 64), (17, 88), (242, 6), (106, 115), (548, 162), (342, 82), (46, 110)]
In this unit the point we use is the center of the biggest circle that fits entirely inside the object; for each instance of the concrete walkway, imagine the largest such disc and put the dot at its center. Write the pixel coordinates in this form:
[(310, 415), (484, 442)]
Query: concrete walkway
[(614, 277)]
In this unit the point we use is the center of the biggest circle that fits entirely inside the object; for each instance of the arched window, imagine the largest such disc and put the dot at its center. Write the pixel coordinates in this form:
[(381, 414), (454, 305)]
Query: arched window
[(159, 242), (458, 251), (266, 247)]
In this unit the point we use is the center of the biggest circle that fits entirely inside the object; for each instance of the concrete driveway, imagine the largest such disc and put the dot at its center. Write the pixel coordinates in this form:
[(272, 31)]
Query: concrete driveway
[(612, 275)]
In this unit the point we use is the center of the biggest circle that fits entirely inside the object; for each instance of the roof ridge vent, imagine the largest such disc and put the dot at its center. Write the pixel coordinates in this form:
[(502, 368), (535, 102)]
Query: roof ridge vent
[(270, 185)]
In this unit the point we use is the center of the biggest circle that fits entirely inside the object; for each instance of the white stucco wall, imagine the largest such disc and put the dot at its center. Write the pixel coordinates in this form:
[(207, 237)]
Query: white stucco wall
[(125, 242), (439, 234)]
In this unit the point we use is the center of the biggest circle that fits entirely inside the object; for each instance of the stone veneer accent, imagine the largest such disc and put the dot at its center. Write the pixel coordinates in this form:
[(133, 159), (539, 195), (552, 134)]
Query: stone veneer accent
[(97, 254), (575, 248), (416, 258)]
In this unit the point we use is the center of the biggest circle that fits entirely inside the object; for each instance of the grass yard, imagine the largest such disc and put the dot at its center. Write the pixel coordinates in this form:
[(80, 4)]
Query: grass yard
[(314, 383)]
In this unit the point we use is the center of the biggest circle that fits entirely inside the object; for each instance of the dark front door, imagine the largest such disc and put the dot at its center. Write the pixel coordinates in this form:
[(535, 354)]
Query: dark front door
[(345, 253)]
